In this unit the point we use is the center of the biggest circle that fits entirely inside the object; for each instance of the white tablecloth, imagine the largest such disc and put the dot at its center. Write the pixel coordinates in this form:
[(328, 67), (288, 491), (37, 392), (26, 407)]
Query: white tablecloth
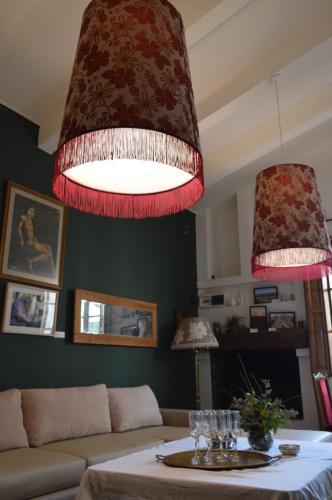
[(138, 476)]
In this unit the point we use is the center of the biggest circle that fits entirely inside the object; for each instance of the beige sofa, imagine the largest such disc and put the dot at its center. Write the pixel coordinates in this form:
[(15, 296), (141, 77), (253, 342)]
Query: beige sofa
[(48, 437)]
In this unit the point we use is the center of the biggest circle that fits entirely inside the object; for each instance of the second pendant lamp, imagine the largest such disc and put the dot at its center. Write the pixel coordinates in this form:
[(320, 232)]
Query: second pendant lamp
[(129, 144), (290, 236)]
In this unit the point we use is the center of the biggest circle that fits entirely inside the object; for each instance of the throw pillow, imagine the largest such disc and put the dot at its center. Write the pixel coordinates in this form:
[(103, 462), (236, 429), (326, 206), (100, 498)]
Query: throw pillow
[(57, 414), (133, 407), (12, 432)]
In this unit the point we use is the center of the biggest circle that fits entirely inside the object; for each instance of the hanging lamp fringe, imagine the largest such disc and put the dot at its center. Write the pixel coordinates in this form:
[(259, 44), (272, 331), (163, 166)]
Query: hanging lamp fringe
[(128, 143)]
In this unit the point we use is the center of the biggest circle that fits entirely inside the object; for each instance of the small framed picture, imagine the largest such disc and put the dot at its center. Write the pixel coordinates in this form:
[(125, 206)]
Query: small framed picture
[(33, 234), (258, 317), (265, 295), (282, 320), (29, 310)]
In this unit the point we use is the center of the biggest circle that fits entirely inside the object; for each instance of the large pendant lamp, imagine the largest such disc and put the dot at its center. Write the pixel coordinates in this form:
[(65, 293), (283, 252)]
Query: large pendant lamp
[(129, 144), (290, 236)]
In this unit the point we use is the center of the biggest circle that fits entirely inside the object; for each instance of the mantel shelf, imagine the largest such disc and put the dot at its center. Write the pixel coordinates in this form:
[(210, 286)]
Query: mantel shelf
[(281, 339)]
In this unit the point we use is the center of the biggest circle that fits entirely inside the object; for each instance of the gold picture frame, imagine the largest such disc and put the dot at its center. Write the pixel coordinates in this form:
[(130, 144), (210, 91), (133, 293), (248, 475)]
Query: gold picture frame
[(32, 239), (109, 320)]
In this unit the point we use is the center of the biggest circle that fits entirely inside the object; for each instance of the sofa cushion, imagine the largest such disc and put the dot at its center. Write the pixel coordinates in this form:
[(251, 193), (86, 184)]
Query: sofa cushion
[(28, 472), (98, 449), (163, 432), (133, 407), (56, 414), (12, 432)]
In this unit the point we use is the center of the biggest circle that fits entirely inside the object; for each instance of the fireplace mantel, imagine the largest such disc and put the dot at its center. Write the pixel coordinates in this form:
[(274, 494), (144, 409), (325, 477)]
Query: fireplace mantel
[(281, 339)]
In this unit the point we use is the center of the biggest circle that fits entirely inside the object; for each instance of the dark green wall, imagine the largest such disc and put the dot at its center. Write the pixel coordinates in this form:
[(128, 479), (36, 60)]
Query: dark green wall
[(152, 260)]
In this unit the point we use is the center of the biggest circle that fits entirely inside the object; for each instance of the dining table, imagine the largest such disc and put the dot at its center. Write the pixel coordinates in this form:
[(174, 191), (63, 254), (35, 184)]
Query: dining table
[(139, 476)]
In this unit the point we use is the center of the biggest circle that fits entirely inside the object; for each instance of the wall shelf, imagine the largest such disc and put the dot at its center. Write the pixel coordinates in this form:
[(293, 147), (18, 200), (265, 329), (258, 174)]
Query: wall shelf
[(281, 339)]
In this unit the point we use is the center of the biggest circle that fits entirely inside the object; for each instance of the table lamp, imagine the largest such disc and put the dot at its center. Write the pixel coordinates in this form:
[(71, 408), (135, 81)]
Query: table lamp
[(196, 334)]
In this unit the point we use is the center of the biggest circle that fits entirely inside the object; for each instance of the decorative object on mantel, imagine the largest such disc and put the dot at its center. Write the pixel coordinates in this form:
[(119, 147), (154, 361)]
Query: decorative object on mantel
[(233, 324), (129, 144), (196, 334), (258, 317), (261, 414), (290, 235), (282, 320)]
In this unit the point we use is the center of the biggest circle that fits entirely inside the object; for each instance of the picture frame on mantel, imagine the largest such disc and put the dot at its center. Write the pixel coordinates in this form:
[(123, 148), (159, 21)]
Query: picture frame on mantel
[(258, 317), (110, 320), (282, 320), (33, 234)]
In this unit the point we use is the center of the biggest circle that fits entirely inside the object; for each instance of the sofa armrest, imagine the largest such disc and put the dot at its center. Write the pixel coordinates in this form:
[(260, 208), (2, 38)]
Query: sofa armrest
[(176, 418)]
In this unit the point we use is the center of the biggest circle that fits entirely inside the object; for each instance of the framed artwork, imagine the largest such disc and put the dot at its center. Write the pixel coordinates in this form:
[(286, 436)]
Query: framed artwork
[(33, 232), (282, 320), (265, 295), (106, 319), (258, 317), (29, 310)]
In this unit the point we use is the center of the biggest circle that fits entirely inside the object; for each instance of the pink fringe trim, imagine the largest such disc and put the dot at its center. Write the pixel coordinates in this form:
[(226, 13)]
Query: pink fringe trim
[(128, 143), (125, 143), (128, 206), (300, 273)]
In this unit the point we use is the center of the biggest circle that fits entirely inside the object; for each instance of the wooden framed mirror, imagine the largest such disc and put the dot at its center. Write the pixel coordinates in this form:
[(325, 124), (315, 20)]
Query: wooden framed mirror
[(110, 320)]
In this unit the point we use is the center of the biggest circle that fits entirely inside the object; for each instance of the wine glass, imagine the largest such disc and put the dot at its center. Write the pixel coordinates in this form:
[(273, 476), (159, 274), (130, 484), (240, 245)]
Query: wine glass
[(236, 429), (195, 425), (222, 429), (209, 431)]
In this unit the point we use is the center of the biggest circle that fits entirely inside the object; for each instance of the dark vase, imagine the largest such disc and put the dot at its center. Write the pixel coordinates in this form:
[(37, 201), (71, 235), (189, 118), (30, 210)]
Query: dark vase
[(260, 441)]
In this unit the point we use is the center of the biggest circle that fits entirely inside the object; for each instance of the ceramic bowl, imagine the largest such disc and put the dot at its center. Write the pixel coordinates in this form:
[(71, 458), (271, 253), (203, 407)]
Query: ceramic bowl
[(289, 449)]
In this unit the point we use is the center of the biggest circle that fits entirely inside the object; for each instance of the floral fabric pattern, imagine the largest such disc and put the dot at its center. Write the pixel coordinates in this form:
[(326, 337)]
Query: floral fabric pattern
[(131, 70), (288, 210)]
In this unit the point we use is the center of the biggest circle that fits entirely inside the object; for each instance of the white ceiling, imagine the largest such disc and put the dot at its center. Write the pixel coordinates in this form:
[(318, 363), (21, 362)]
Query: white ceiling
[(235, 46)]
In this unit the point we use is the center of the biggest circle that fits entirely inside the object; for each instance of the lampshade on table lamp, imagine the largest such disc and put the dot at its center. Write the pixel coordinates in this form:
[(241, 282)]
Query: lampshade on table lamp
[(196, 334)]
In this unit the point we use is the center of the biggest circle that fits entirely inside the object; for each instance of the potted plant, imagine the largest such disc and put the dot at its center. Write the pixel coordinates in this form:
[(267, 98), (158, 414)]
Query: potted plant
[(233, 324), (262, 415)]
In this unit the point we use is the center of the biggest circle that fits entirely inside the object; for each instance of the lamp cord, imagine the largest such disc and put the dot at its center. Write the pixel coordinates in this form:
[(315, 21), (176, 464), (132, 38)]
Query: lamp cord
[(275, 83)]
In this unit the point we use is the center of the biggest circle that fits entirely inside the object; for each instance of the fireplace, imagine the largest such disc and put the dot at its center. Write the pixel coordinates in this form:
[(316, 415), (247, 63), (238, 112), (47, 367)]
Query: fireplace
[(281, 367)]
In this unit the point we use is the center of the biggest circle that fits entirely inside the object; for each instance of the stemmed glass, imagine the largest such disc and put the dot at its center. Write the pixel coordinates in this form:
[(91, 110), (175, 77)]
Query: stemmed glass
[(222, 429), (236, 429), (196, 418), (209, 431), (228, 428)]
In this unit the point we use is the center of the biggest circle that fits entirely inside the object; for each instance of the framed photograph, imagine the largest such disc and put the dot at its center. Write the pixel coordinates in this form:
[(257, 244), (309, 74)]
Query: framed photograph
[(33, 232), (282, 320), (106, 319), (258, 317), (265, 295), (29, 310)]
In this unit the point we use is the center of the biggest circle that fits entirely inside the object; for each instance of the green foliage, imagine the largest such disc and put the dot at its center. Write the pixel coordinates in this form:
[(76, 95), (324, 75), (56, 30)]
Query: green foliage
[(261, 412), (233, 324)]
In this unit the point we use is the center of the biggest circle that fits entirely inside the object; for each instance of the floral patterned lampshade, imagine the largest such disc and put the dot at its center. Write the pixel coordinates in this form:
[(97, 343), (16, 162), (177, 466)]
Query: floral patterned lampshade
[(129, 144), (194, 333), (290, 235)]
